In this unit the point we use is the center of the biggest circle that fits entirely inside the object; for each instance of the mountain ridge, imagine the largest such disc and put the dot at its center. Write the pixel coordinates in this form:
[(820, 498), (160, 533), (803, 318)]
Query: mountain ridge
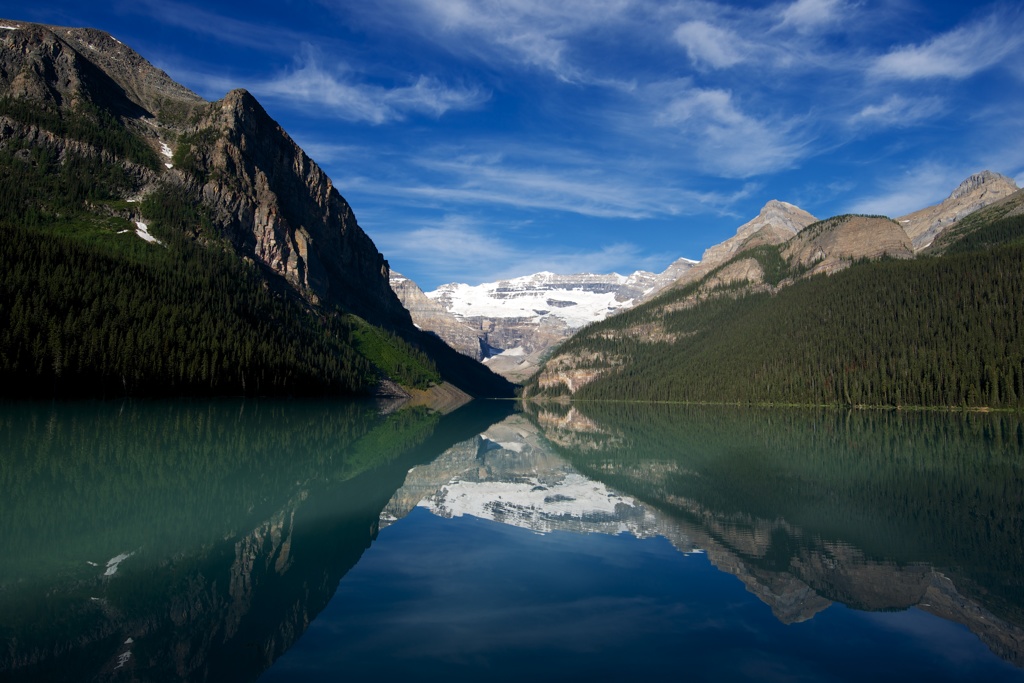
[(845, 312), (511, 324), (222, 177)]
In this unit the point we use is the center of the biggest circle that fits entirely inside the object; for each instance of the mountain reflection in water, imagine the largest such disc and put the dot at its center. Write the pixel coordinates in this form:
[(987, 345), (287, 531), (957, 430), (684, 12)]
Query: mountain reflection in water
[(166, 541), (877, 511), (199, 541)]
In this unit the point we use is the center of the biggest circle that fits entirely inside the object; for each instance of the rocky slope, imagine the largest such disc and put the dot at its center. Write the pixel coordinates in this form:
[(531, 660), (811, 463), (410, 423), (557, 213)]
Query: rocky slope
[(80, 93), (830, 246), (780, 247), (511, 324), (777, 222), (280, 209), (273, 202), (427, 314), (976, 192)]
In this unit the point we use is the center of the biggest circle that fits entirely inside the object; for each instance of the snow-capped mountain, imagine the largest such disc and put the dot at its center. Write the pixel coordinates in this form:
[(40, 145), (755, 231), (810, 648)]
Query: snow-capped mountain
[(517, 320)]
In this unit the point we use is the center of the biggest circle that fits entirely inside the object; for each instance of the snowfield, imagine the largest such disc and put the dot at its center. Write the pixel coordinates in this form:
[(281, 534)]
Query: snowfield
[(578, 300)]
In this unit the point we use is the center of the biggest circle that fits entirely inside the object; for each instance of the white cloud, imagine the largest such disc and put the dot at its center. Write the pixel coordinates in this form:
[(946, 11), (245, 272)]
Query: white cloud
[(957, 54), (224, 29), (809, 15), (726, 141), (337, 93), (707, 44), (915, 189), (555, 179), (484, 254), (532, 33), (897, 111)]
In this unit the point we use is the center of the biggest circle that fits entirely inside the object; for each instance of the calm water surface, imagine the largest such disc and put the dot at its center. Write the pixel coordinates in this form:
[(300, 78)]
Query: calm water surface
[(314, 541)]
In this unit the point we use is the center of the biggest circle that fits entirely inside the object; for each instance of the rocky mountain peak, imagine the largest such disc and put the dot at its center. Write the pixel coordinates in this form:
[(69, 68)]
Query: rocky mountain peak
[(777, 222), (512, 323), (985, 181), (280, 209), (976, 192), (62, 67)]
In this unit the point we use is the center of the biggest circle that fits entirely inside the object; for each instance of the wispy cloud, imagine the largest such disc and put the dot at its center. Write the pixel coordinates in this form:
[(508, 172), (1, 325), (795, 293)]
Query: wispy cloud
[(706, 44), (223, 28), (487, 253), (897, 111), (812, 15), (554, 179), (531, 33), (778, 37), (957, 54), (726, 141), (338, 92), (914, 189)]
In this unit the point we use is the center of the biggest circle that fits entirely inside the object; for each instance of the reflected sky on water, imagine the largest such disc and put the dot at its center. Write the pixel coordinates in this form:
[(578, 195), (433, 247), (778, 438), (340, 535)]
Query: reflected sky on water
[(326, 540)]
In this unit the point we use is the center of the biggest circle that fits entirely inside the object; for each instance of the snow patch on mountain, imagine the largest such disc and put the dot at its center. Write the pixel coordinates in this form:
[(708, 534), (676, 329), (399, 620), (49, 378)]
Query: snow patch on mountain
[(577, 300)]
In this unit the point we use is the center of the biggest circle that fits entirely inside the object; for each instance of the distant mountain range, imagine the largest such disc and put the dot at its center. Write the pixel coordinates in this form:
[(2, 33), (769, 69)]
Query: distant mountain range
[(924, 310), (512, 325), (160, 244), (252, 274)]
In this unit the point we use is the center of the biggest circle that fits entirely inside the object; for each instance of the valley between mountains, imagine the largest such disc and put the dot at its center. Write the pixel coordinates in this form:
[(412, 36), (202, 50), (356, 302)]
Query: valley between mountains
[(161, 244)]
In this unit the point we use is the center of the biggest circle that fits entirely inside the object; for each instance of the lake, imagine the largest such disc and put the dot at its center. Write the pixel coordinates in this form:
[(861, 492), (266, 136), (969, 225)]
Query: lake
[(324, 540)]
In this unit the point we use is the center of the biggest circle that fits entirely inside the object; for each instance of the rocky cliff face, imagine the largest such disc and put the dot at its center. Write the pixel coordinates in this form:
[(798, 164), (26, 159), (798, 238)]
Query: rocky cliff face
[(427, 314), (66, 67), (832, 245), (977, 192), (280, 209), (274, 203), (776, 223)]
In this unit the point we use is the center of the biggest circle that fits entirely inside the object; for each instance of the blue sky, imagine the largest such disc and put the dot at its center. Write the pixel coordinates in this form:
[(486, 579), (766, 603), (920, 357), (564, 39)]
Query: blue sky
[(483, 139)]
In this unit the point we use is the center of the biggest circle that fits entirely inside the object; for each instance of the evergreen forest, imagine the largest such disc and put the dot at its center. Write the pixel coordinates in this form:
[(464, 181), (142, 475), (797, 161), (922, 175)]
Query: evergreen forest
[(936, 331), (813, 480), (87, 308)]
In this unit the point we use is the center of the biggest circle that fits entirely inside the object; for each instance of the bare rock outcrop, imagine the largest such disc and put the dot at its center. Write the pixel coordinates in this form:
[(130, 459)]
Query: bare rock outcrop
[(834, 244), (280, 209), (511, 325), (776, 223), (427, 314), (977, 192)]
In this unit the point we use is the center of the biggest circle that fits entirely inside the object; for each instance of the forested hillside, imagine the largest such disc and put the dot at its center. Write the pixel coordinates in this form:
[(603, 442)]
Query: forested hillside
[(132, 268), (89, 308), (934, 331)]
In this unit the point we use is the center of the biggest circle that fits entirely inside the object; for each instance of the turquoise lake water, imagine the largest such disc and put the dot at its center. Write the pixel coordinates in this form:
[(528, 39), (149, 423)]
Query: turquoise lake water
[(315, 541)]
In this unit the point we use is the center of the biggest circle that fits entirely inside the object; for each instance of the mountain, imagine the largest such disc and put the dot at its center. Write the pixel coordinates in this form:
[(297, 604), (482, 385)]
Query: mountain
[(842, 313), (430, 315), (776, 223), (511, 324), (976, 192), (252, 274)]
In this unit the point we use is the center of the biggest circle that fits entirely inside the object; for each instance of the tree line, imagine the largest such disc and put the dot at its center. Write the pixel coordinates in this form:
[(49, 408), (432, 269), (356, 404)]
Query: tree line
[(936, 331)]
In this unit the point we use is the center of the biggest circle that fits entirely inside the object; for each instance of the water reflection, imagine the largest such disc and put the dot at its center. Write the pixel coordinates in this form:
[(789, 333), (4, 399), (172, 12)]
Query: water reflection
[(190, 541), (200, 540), (876, 511)]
